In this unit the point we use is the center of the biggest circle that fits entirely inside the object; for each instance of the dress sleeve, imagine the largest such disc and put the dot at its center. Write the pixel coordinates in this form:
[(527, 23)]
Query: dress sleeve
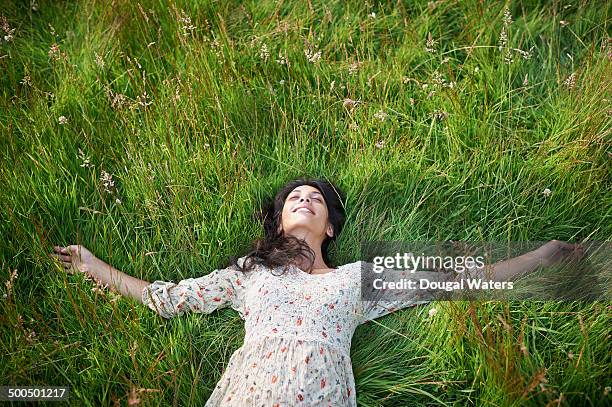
[(385, 301), (377, 309), (381, 307), (381, 302), (221, 288)]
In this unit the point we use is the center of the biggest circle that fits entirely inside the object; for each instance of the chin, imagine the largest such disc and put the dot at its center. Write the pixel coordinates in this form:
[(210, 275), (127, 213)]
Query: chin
[(302, 226)]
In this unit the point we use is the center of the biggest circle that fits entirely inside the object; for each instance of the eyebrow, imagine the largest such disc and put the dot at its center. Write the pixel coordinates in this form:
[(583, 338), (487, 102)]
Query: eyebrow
[(313, 192)]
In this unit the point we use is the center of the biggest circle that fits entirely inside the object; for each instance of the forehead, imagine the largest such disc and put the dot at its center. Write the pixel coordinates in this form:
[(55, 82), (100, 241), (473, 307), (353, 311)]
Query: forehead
[(307, 189)]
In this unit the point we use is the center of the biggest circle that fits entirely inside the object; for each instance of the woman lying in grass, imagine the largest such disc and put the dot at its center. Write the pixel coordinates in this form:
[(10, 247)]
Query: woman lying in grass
[(300, 312)]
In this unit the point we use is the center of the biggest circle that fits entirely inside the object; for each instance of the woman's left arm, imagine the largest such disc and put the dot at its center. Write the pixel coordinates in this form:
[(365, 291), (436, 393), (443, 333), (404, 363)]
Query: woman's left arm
[(548, 254), (553, 252)]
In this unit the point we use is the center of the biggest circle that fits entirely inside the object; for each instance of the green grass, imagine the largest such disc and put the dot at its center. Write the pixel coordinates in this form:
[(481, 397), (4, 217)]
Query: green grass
[(463, 161)]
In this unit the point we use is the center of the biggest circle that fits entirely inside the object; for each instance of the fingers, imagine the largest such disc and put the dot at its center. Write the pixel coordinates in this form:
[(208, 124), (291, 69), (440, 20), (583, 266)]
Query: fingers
[(60, 249), (573, 252), (576, 248), (67, 267), (566, 246), (578, 251), (63, 256)]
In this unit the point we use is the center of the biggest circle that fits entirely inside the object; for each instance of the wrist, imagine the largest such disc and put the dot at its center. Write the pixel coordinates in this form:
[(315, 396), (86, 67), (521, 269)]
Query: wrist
[(543, 254), (98, 268)]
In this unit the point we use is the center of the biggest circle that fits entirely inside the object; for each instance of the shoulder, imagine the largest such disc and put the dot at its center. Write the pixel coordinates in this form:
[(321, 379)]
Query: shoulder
[(356, 265), (360, 270), (352, 269)]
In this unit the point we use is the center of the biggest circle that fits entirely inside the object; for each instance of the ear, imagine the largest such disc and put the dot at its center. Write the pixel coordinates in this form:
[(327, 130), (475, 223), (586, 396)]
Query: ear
[(330, 230)]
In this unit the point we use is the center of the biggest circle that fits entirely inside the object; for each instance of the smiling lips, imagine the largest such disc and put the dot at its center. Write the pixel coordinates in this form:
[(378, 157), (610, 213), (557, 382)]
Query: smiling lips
[(303, 208)]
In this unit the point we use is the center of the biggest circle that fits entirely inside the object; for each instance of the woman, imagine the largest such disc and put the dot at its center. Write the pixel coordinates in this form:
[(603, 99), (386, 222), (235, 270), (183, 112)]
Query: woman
[(300, 312)]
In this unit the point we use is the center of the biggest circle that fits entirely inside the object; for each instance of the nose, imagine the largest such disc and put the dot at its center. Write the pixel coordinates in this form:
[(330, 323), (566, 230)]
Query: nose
[(302, 199)]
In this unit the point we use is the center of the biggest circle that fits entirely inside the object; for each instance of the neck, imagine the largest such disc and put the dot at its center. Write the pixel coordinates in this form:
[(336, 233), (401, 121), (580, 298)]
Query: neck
[(314, 242)]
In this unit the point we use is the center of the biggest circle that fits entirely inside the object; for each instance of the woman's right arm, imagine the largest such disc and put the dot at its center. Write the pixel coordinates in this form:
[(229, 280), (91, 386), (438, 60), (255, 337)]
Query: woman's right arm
[(78, 258)]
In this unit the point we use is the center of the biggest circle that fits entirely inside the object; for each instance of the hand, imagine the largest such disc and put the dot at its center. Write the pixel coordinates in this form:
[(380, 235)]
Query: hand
[(75, 258), (557, 251)]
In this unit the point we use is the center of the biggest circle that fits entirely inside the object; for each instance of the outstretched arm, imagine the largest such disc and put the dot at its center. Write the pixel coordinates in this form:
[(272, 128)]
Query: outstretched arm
[(551, 253), (548, 254), (78, 258)]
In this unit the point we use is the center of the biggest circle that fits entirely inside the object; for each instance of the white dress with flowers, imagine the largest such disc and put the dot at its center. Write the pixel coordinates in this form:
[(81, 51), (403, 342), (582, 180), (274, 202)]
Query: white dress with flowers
[(298, 331)]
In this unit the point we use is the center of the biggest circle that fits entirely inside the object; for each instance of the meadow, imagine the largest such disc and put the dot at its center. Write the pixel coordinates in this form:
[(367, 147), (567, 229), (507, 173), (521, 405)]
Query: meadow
[(148, 131)]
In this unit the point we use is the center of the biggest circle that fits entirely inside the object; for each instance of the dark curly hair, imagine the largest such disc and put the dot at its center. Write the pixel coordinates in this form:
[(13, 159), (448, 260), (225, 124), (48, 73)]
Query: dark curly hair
[(277, 250)]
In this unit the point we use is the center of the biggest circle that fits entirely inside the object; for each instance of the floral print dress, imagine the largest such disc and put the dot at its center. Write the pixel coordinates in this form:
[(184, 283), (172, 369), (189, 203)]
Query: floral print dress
[(298, 331)]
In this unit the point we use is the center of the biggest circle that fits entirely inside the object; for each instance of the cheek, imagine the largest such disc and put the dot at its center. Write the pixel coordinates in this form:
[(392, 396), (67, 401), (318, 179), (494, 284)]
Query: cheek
[(324, 217), (285, 215), (324, 210)]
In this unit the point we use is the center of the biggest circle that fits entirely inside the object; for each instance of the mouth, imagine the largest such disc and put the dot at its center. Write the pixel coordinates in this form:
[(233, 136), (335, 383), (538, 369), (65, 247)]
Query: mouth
[(303, 209)]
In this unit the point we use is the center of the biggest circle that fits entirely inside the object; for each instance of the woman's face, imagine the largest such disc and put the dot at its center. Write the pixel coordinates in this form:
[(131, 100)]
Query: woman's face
[(305, 209)]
